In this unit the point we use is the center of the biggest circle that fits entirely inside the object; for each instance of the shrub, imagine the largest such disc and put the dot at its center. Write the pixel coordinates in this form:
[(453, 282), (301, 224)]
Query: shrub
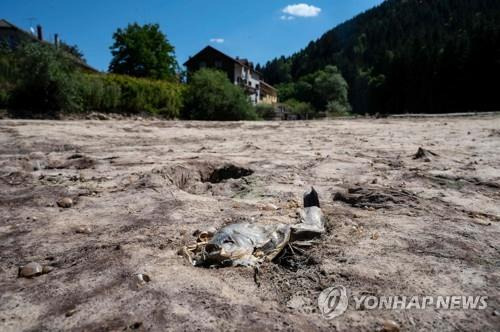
[(264, 111), (125, 94), (211, 96), (7, 75), (302, 109), (46, 81), (39, 79), (335, 108)]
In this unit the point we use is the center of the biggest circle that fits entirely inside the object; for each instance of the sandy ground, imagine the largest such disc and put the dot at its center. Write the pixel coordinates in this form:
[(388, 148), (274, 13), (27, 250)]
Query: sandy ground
[(141, 189)]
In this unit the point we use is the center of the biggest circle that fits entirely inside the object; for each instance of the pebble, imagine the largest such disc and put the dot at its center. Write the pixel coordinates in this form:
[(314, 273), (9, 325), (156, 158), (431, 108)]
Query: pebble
[(65, 202), (375, 236), (142, 278), (30, 270), (83, 230), (269, 207), (70, 313), (390, 326)]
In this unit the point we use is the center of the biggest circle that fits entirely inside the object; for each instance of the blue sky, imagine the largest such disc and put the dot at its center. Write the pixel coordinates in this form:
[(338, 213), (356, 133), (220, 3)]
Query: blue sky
[(259, 30)]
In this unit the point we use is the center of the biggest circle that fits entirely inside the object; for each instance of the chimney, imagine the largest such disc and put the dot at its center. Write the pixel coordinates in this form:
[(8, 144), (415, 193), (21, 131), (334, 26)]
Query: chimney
[(56, 40), (39, 33)]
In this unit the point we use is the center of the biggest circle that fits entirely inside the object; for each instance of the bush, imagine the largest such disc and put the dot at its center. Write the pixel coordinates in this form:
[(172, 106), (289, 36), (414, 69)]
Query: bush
[(264, 111), (39, 79), (7, 75), (211, 96), (335, 108), (125, 94), (302, 109), (46, 81)]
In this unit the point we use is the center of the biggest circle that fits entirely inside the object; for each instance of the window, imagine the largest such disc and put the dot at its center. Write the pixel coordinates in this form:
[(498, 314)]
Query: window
[(218, 64), (203, 64)]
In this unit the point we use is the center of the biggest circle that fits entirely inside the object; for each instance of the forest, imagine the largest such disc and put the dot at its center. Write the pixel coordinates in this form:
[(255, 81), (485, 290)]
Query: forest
[(406, 56)]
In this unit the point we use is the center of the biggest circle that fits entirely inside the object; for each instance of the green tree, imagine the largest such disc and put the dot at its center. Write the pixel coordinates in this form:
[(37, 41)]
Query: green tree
[(330, 86), (143, 51), (211, 96)]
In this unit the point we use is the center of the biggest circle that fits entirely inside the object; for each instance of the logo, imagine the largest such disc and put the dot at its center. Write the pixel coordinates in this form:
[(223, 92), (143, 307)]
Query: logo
[(333, 302)]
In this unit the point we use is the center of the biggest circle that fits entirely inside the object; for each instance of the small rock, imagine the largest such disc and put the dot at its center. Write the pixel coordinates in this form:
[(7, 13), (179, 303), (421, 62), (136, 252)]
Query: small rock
[(496, 313), (390, 326), (83, 230), (142, 278), (296, 302), (65, 202), (269, 207), (70, 312), (31, 270), (375, 236)]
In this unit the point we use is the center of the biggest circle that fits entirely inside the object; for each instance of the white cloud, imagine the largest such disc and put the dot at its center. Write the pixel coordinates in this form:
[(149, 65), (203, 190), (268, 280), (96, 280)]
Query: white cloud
[(217, 40), (301, 10), (287, 18)]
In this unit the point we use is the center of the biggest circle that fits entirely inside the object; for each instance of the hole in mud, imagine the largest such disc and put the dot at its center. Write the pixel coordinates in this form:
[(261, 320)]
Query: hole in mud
[(199, 178), (293, 259), (225, 172)]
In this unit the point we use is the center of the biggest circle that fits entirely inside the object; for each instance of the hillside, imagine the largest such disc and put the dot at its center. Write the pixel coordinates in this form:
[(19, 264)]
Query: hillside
[(427, 56)]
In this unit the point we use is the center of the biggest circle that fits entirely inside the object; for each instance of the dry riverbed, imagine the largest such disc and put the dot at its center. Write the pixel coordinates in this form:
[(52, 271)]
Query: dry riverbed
[(104, 206)]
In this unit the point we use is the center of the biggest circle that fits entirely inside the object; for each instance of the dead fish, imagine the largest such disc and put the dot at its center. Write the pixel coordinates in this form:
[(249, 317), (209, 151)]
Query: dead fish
[(249, 244)]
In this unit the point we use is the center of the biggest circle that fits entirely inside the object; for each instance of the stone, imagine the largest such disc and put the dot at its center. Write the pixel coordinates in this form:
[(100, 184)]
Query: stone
[(269, 207), (30, 270), (83, 230), (65, 202), (390, 326), (70, 312), (142, 278)]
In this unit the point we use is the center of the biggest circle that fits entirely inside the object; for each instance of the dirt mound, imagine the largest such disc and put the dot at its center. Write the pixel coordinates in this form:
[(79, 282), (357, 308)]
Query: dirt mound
[(424, 154)]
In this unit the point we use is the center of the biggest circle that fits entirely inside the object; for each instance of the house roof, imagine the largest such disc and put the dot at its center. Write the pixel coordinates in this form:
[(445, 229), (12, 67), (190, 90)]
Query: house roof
[(268, 85), (241, 62), (4, 24)]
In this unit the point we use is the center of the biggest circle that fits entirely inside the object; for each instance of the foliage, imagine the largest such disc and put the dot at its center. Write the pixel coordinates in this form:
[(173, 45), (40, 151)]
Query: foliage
[(39, 80), (7, 75), (143, 51), (211, 96), (125, 94), (407, 56), (334, 108), (301, 109), (265, 111), (45, 81), (74, 50), (318, 90)]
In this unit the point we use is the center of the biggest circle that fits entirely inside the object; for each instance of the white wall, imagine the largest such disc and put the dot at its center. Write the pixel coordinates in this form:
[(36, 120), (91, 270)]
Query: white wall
[(252, 79)]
